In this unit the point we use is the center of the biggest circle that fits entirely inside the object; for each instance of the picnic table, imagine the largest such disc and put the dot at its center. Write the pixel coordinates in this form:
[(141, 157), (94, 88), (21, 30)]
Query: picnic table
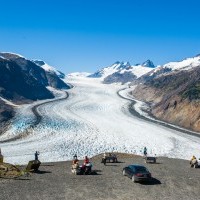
[(111, 158), (150, 159)]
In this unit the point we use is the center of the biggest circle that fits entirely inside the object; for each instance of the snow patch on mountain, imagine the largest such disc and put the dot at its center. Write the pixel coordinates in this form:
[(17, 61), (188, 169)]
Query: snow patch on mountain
[(137, 70), (9, 102), (120, 71), (49, 68), (106, 71), (171, 67), (186, 64), (14, 55), (78, 74), (3, 58)]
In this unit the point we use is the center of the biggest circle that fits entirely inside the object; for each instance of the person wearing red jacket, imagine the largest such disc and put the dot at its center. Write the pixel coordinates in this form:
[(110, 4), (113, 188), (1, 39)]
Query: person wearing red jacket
[(86, 160)]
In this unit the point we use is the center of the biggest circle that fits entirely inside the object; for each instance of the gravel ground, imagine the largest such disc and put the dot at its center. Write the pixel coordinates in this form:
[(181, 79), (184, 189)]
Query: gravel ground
[(173, 179)]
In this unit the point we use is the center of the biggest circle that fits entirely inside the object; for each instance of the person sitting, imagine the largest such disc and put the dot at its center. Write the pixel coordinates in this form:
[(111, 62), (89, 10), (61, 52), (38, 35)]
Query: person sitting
[(75, 161), (104, 155), (86, 160), (193, 161), (104, 159), (193, 158), (76, 165)]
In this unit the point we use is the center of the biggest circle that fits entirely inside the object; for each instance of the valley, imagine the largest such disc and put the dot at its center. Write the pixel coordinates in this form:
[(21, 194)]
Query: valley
[(92, 120)]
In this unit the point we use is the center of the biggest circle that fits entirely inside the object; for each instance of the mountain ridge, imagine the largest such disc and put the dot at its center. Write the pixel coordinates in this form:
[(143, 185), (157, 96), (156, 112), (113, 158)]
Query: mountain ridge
[(173, 91), (23, 81), (122, 72)]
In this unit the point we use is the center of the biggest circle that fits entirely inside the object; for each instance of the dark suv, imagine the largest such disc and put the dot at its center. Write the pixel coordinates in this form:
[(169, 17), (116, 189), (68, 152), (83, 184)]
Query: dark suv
[(137, 173)]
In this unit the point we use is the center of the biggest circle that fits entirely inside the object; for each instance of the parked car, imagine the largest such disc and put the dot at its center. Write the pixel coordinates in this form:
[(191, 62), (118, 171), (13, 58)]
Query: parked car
[(137, 173)]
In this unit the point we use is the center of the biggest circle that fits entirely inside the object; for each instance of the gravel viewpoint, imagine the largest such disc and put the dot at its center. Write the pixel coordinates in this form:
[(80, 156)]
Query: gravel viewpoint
[(172, 179)]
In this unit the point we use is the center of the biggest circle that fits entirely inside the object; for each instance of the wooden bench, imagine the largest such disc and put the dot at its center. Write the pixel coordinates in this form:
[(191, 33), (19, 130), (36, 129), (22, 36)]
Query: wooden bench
[(150, 159), (109, 159)]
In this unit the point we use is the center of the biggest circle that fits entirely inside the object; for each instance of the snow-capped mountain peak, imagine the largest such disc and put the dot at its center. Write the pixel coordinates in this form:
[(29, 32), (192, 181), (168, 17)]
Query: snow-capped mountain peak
[(10, 55), (122, 72), (174, 67), (122, 65), (49, 68), (198, 55), (148, 63), (106, 71)]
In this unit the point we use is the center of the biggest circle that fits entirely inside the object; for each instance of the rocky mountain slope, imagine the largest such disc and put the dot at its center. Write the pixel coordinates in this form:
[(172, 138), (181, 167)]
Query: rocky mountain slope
[(6, 112), (22, 81), (123, 72), (174, 92), (54, 76)]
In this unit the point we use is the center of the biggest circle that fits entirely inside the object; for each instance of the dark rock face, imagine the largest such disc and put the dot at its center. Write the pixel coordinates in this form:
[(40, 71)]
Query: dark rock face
[(97, 74), (153, 74), (55, 82), (6, 112), (54, 79), (117, 77), (148, 63), (21, 79)]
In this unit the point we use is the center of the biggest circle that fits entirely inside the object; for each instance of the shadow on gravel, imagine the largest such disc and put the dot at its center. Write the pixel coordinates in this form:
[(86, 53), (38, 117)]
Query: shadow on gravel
[(95, 172), (47, 165), (22, 179), (157, 163), (153, 181), (42, 172), (111, 165)]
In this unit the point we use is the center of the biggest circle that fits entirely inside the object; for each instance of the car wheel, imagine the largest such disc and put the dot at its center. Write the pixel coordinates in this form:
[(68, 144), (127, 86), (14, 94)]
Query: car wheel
[(124, 173), (133, 179)]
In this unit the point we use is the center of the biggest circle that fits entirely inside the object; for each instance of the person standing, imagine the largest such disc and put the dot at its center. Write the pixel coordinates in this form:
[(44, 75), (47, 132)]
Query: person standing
[(36, 155), (1, 157), (145, 151)]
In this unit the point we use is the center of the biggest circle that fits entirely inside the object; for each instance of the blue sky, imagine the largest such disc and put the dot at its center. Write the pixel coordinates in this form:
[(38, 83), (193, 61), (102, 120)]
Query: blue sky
[(84, 35)]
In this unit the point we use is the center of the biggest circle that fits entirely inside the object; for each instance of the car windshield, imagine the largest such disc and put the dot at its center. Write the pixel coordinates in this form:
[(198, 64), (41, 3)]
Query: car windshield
[(140, 169)]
